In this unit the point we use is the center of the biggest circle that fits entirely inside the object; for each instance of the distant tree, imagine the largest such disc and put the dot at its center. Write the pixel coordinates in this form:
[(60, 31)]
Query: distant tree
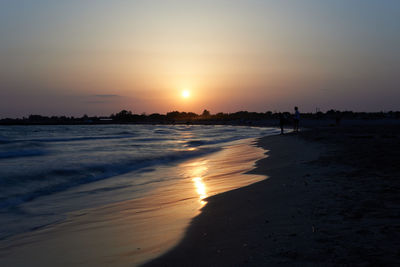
[(205, 113), (319, 115), (220, 116), (192, 115), (123, 115), (37, 118), (156, 117), (173, 115)]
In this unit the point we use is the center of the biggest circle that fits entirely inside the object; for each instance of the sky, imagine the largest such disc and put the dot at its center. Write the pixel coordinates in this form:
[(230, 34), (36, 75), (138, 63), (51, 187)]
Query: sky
[(98, 57)]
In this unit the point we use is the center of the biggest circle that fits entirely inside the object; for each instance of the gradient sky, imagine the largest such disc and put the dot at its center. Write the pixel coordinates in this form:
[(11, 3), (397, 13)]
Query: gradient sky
[(98, 57)]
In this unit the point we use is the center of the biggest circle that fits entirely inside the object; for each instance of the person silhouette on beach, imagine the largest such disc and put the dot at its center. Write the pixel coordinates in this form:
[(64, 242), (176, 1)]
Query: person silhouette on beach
[(296, 119), (281, 121)]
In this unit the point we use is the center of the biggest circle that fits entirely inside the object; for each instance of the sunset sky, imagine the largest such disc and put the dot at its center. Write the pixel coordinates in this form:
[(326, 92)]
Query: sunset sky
[(98, 57)]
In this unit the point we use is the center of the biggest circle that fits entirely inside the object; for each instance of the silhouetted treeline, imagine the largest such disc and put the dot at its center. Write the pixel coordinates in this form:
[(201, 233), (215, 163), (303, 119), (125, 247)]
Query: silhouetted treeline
[(238, 118)]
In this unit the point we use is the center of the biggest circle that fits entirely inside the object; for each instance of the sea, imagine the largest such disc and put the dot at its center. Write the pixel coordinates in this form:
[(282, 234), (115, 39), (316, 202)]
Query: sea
[(52, 175)]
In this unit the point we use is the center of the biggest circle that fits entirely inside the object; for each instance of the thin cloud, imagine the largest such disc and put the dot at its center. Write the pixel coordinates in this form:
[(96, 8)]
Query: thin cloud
[(107, 96), (95, 102)]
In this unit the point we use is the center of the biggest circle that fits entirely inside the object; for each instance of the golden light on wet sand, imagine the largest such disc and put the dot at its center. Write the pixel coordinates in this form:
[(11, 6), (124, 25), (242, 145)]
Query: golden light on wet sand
[(198, 170), (200, 188)]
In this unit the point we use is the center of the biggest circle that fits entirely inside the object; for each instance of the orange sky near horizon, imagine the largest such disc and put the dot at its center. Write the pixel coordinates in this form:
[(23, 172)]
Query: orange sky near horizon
[(81, 57)]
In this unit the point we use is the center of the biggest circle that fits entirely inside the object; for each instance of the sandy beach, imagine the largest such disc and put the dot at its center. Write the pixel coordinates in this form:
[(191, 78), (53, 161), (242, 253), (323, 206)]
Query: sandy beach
[(331, 199)]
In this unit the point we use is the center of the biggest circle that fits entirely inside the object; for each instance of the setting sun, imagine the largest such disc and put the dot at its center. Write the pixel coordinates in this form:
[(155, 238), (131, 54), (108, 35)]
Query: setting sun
[(185, 94)]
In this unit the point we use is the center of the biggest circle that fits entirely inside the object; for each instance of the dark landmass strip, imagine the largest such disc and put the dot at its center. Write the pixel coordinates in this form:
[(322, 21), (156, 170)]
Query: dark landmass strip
[(268, 118), (332, 198)]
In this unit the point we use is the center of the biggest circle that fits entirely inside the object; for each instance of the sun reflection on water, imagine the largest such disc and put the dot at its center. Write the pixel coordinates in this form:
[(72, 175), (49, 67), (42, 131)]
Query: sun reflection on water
[(198, 170), (200, 188)]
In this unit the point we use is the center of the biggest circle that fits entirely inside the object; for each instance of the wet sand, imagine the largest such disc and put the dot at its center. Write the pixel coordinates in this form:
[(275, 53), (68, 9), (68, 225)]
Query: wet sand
[(332, 198)]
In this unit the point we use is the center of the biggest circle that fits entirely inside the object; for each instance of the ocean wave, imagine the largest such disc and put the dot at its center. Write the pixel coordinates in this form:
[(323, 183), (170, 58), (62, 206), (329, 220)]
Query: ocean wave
[(228, 130), (126, 133), (160, 131), (184, 128), (58, 180), (195, 143), (73, 139), (21, 153), (203, 142), (150, 139)]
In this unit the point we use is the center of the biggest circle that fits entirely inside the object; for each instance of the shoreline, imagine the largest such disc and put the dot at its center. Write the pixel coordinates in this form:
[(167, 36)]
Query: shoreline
[(133, 231), (235, 226), (326, 201)]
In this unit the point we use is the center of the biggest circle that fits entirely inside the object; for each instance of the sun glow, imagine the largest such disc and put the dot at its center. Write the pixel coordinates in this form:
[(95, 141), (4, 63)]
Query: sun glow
[(185, 94)]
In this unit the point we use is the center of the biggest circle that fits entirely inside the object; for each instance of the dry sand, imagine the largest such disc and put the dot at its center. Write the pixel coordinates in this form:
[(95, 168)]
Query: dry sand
[(332, 198)]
